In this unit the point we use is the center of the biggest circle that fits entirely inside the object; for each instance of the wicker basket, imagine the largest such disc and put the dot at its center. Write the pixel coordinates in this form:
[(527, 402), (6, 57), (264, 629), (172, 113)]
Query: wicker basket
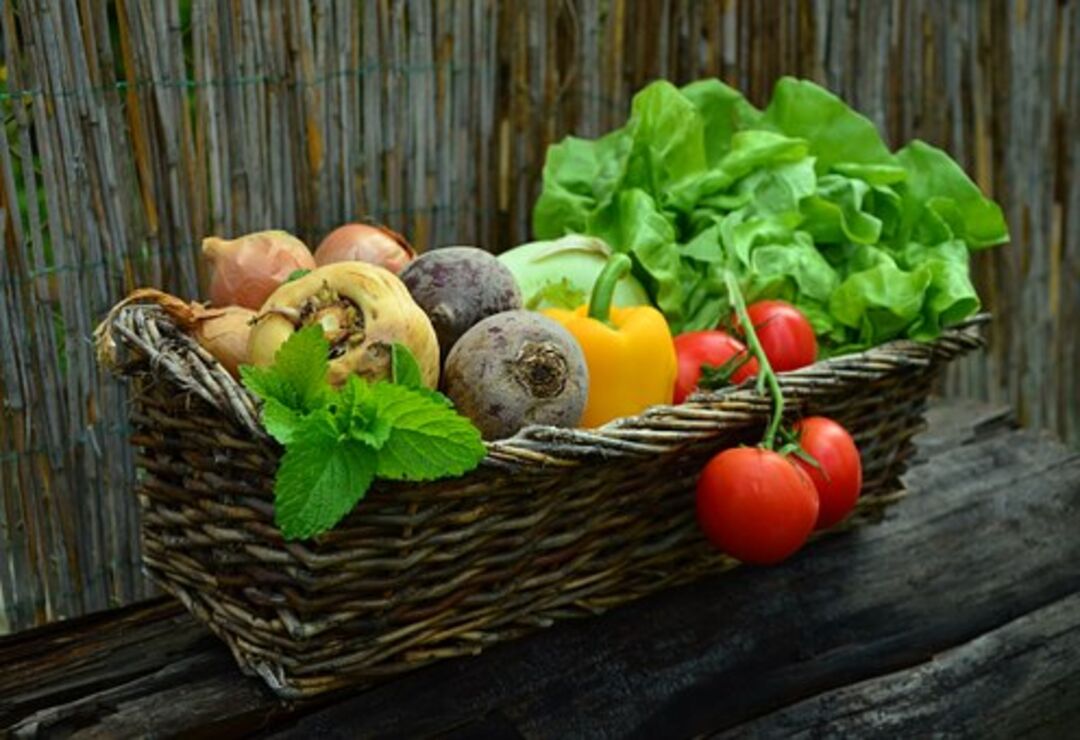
[(556, 523)]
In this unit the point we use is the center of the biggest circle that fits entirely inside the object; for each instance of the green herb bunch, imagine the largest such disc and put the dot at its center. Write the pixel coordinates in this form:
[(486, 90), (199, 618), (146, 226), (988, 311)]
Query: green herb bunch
[(339, 440)]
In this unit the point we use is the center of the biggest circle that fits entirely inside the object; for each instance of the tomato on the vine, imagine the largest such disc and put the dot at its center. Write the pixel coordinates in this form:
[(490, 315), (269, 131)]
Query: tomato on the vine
[(713, 348), (756, 505), (838, 474), (785, 334)]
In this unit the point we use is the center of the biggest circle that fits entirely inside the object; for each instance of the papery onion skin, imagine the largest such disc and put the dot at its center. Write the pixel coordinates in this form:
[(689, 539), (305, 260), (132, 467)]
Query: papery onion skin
[(375, 245), (246, 270), (388, 313), (226, 336), (220, 331)]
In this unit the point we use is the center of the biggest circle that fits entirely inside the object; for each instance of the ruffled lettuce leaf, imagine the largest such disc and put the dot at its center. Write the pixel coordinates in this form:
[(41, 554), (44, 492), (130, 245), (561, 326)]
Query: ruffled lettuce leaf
[(837, 135), (802, 200), (940, 202)]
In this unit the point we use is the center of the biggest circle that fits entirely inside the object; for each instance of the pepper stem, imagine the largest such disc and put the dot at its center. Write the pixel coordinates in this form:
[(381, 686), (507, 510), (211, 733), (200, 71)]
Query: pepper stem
[(604, 288), (765, 371)]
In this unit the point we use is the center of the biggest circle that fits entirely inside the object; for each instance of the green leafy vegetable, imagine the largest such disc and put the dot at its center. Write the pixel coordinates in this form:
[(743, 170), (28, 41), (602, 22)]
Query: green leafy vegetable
[(425, 442), (803, 200), (321, 478), (404, 367), (298, 378), (337, 441)]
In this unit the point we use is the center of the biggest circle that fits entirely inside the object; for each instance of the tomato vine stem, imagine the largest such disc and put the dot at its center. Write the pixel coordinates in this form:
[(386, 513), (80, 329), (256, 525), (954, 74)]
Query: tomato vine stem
[(765, 371)]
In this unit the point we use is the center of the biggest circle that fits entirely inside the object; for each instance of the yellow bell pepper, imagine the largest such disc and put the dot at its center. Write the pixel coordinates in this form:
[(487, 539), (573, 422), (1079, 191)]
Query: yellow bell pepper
[(629, 351)]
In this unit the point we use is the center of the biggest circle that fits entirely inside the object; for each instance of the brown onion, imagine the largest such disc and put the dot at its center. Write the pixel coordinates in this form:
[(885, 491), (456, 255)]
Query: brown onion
[(223, 332), (246, 270), (376, 245), (226, 336)]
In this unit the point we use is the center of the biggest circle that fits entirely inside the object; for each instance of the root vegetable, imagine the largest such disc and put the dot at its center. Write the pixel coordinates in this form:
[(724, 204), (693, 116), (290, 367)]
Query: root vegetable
[(376, 245), (459, 286), (246, 270), (223, 332), (226, 336), (363, 310), (517, 368)]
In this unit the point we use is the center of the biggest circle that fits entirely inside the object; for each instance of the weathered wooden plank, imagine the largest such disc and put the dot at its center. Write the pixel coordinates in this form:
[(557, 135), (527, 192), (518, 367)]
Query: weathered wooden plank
[(958, 422), (1020, 680), (93, 651), (185, 709), (696, 659)]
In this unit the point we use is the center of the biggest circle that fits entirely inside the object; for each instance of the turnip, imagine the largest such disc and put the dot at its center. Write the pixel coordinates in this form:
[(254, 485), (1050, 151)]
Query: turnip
[(517, 368), (363, 311)]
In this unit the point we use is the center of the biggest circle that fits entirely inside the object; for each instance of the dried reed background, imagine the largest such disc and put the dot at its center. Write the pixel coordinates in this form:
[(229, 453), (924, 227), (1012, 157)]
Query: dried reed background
[(134, 128)]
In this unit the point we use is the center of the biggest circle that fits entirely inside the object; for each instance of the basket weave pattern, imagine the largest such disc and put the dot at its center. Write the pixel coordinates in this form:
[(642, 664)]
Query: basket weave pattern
[(556, 523)]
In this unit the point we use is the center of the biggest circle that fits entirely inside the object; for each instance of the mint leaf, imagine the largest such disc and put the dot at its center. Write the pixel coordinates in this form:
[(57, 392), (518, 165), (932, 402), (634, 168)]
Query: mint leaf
[(337, 440), (297, 379), (428, 439), (267, 384), (405, 368), (280, 420), (302, 361), (356, 415), (321, 478)]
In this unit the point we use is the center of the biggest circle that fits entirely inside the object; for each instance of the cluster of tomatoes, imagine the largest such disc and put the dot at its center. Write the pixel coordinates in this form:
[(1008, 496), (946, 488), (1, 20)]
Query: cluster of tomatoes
[(756, 504)]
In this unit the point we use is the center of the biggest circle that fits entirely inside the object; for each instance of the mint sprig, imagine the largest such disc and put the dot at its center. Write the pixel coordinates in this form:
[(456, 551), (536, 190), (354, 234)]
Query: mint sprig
[(427, 440), (297, 379), (321, 478), (339, 440), (404, 368)]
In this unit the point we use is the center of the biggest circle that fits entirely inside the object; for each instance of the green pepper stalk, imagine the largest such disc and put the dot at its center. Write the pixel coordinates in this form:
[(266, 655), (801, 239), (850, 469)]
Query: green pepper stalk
[(765, 371), (604, 288)]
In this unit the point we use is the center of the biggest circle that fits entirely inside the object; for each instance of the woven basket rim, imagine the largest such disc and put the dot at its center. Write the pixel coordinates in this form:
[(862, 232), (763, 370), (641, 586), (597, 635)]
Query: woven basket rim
[(163, 346)]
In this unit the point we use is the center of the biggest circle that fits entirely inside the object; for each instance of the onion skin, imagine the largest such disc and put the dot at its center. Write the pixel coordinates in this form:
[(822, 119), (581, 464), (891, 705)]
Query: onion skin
[(387, 311), (220, 331), (246, 270), (375, 245), (226, 336)]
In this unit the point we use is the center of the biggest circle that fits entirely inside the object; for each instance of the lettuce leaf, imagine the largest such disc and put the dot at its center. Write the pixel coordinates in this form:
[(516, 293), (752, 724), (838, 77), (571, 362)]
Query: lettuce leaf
[(803, 200), (940, 201)]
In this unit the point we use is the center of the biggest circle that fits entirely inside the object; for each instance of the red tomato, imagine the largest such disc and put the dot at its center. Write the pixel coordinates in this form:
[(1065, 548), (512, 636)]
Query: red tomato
[(786, 336), (755, 505), (839, 478), (697, 348)]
